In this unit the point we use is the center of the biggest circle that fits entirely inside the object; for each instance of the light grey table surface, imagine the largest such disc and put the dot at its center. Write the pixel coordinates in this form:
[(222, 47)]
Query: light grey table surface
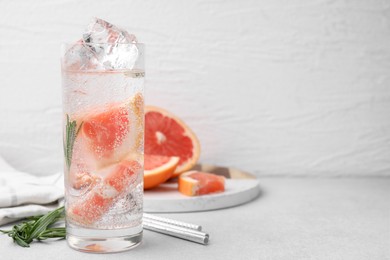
[(294, 218)]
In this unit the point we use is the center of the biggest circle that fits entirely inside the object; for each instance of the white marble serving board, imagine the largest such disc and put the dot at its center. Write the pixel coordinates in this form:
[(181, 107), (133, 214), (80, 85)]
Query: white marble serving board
[(167, 198)]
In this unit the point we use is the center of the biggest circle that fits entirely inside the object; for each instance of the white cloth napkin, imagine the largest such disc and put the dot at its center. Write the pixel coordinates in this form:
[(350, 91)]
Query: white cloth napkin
[(23, 194)]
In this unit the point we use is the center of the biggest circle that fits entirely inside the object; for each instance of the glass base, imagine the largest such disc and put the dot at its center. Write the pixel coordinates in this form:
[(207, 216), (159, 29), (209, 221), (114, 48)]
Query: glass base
[(103, 243)]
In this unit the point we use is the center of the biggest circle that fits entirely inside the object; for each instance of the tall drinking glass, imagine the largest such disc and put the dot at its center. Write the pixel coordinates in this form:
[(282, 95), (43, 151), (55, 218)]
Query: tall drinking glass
[(103, 133)]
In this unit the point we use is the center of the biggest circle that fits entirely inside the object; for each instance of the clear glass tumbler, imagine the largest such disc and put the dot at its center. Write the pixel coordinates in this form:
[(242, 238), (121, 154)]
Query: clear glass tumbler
[(103, 133)]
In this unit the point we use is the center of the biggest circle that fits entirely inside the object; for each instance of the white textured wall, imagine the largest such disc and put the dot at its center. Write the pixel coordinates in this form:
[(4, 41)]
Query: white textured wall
[(294, 87)]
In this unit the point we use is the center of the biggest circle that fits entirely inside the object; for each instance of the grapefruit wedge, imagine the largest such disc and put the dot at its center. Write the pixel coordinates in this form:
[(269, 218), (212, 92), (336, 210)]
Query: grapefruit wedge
[(194, 183), (98, 201), (158, 169), (167, 135), (109, 133)]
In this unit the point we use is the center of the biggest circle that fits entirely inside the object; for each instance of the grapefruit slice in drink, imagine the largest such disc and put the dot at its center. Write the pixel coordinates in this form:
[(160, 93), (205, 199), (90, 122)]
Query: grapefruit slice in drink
[(158, 169), (98, 201), (106, 130), (194, 183), (109, 133), (167, 135)]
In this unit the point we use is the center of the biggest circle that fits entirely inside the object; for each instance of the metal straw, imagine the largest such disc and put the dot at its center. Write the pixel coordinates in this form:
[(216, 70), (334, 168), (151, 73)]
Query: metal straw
[(176, 231), (172, 222)]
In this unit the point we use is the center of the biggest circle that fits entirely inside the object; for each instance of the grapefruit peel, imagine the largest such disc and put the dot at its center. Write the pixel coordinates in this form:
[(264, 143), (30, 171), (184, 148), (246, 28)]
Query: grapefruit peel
[(161, 173)]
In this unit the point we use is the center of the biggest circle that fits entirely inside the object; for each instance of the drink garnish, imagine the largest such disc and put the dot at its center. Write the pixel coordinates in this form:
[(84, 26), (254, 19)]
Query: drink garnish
[(70, 136)]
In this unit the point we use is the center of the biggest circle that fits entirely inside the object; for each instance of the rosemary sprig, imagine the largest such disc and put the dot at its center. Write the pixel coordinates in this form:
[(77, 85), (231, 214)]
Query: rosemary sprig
[(38, 228), (70, 136)]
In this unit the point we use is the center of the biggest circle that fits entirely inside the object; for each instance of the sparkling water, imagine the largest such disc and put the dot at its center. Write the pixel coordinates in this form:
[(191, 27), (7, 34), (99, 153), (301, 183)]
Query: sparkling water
[(103, 148)]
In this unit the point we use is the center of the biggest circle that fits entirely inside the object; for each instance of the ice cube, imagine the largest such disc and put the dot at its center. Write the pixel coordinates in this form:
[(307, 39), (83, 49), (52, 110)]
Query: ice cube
[(80, 57), (100, 31), (103, 47), (118, 54)]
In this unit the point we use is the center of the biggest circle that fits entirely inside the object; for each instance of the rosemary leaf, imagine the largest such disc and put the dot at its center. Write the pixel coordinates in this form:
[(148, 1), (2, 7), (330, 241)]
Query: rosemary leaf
[(42, 223), (37, 228), (21, 242), (70, 137)]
